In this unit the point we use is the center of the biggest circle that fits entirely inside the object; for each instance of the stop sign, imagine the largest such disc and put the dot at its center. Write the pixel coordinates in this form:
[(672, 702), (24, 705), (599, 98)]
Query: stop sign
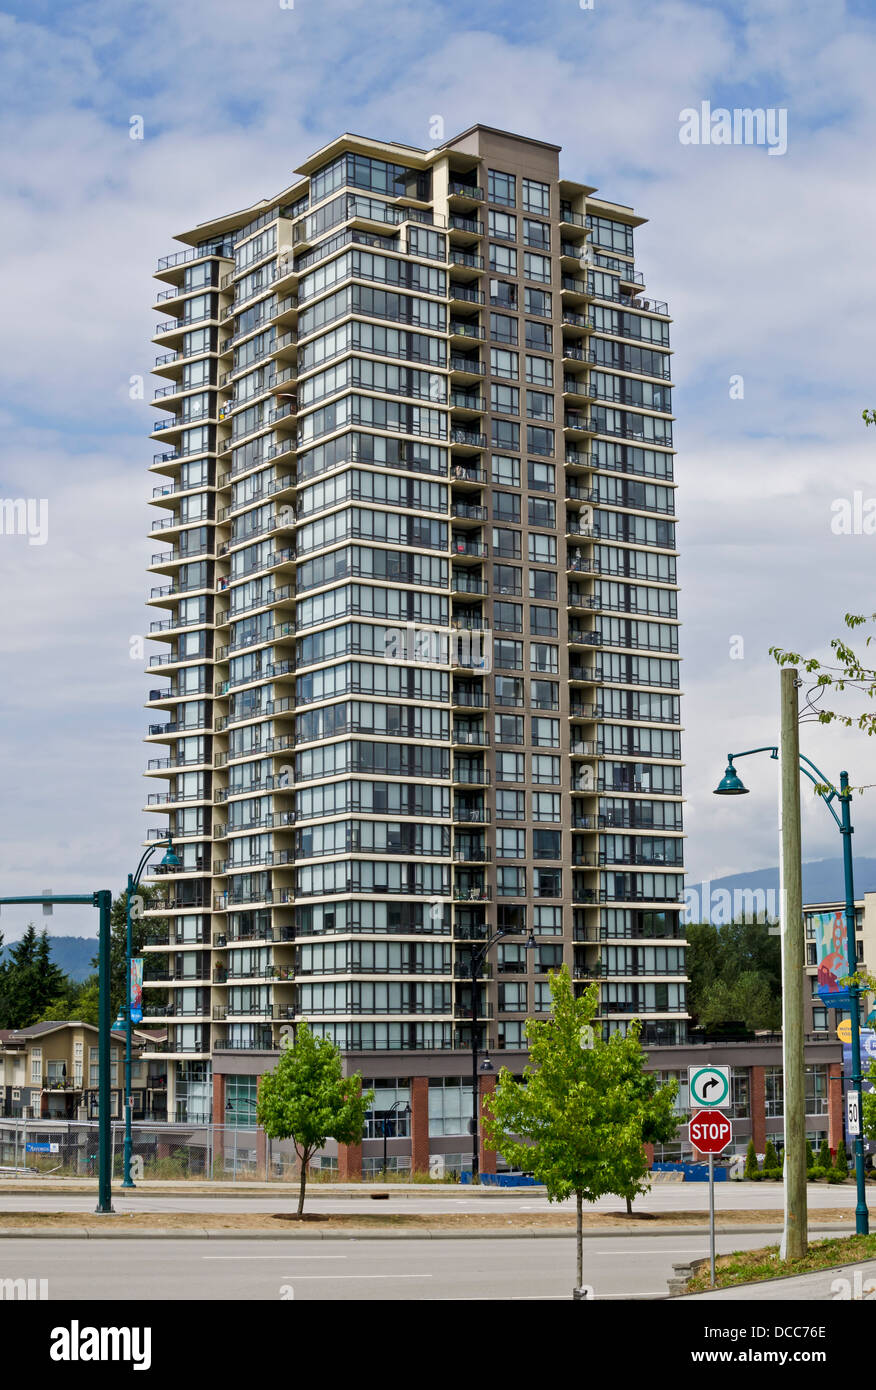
[(710, 1131)]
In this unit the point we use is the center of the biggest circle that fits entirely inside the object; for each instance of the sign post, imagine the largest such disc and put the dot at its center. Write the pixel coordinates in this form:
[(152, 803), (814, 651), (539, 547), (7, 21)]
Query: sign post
[(710, 1132)]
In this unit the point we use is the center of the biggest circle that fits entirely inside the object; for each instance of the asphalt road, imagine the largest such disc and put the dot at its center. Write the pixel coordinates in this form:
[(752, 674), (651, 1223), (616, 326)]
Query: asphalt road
[(619, 1267), (284, 1197)]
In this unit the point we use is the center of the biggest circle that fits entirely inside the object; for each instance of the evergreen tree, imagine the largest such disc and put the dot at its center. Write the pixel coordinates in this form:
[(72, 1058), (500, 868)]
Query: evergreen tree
[(824, 1159), (842, 1162), (751, 1168), (770, 1157)]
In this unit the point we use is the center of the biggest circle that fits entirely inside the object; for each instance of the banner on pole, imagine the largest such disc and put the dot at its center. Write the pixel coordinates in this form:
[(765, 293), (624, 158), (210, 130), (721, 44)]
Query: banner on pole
[(136, 989), (831, 949)]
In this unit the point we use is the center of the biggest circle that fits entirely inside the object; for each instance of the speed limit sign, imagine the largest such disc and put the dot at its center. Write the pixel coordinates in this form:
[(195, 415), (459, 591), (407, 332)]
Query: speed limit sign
[(853, 1112)]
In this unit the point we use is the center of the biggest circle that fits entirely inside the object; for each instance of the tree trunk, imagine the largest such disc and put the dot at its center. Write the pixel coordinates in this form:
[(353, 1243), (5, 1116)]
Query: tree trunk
[(302, 1185), (629, 1207), (579, 1239)]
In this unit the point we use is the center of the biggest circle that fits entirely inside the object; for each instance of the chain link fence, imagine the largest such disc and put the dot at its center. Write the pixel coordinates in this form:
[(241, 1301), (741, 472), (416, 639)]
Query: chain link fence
[(159, 1152)]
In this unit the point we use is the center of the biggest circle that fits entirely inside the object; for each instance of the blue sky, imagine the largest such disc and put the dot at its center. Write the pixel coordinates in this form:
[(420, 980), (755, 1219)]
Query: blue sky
[(766, 263)]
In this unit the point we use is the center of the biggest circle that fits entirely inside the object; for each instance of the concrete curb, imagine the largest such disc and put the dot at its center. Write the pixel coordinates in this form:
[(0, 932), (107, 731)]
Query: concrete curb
[(364, 1233)]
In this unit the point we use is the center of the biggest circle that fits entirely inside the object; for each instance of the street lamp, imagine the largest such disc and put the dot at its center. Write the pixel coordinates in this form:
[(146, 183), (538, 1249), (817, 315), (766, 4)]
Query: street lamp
[(478, 956), (169, 861), (386, 1115), (730, 785)]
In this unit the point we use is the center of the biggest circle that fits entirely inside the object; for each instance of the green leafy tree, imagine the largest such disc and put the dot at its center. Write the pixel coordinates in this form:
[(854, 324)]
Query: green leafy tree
[(80, 1001), (841, 1162), (307, 1099), (579, 1117), (735, 976), (848, 673), (751, 1169)]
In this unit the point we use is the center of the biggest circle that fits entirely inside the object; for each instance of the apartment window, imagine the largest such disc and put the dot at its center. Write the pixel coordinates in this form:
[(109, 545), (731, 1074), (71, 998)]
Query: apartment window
[(819, 1020), (502, 188), (542, 512), (539, 370), (544, 694), (539, 440), (542, 549), (545, 733), (503, 293), (502, 225), (509, 691), (539, 303), (543, 584), (541, 477), (508, 617), (510, 805), (505, 470), (546, 806), (505, 399), (539, 337), (510, 882), (545, 769), (548, 883), (811, 953), (506, 542), (506, 507), (504, 363), (503, 259), (36, 1066), (508, 654), (537, 234), (509, 728), (540, 406), (506, 435), (543, 622), (511, 1036), (536, 267), (536, 197), (507, 579), (543, 656), (547, 919), (546, 844), (509, 767), (542, 999), (512, 997), (503, 329), (510, 844)]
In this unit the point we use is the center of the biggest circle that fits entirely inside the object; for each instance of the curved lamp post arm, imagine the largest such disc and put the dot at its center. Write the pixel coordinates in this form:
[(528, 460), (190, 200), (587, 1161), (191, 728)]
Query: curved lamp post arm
[(818, 782)]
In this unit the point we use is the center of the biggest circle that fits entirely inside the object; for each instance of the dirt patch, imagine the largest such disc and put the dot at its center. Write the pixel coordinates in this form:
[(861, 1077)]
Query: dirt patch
[(487, 1220)]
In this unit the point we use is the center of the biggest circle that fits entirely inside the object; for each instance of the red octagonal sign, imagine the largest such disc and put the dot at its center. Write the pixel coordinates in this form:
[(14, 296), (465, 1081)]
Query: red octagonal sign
[(710, 1131)]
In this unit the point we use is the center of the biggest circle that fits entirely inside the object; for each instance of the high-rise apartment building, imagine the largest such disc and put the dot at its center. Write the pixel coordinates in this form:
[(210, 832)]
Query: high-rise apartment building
[(420, 666)]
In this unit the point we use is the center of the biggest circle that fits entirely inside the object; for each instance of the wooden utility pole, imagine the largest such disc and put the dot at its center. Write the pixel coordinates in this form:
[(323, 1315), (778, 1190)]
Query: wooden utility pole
[(795, 1233)]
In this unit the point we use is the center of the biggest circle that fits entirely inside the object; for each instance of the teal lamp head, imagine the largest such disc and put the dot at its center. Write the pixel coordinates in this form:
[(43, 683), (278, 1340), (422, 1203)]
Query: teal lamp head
[(171, 859), (730, 784)]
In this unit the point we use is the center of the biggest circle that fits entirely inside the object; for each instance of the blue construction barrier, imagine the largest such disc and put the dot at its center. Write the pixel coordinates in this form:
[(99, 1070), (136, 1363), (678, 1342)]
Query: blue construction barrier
[(501, 1180), (693, 1172)]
